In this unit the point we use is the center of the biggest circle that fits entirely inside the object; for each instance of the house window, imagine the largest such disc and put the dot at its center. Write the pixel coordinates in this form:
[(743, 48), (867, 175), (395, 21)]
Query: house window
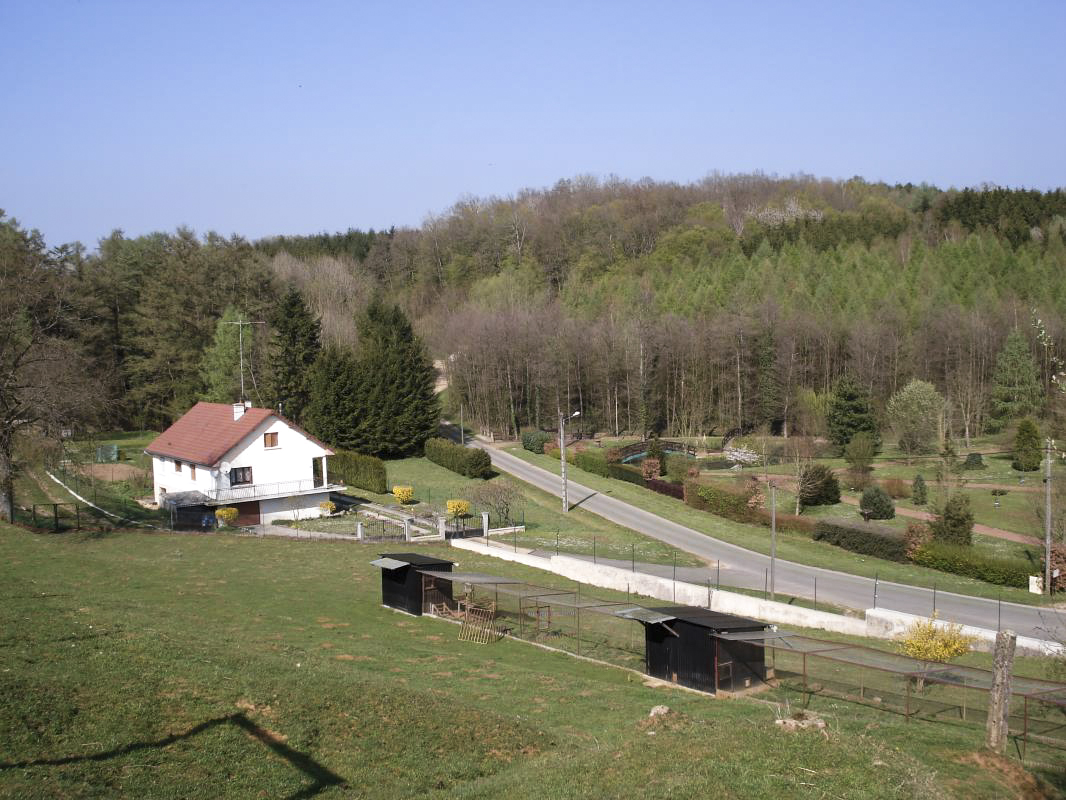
[(270, 440), (192, 471), (177, 466), (240, 475)]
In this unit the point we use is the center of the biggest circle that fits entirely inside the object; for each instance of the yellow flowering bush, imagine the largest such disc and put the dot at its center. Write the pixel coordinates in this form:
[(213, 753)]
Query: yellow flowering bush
[(458, 508), (327, 507), (931, 642), (226, 516), (403, 494)]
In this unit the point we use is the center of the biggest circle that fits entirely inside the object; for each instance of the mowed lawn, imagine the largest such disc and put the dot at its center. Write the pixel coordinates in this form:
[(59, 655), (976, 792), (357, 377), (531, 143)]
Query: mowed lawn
[(162, 665)]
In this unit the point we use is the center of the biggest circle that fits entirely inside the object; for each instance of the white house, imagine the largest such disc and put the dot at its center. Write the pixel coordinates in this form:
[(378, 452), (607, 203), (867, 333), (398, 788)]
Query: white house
[(252, 459)]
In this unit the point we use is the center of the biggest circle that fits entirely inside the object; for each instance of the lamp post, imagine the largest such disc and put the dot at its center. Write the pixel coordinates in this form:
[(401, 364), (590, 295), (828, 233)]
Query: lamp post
[(773, 534), (562, 454)]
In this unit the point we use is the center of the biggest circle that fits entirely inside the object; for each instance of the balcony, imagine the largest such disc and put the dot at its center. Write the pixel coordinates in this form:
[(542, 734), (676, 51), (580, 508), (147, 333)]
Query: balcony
[(264, 491)]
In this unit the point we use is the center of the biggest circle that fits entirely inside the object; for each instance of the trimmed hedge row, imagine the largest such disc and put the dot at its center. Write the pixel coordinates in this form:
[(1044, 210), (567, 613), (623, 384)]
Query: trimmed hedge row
[(863, 538), (360, 471), (625, 472), (462, 460), (592, 462), (664, 487), (534, 441), (719, 501), (962, 560)]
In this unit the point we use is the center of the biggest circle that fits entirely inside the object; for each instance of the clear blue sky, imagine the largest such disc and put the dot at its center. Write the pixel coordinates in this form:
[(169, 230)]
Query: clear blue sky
[(296, 117)]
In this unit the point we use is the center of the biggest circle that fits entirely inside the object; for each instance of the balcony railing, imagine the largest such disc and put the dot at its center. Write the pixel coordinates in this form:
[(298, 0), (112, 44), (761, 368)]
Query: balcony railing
[(257, 491)]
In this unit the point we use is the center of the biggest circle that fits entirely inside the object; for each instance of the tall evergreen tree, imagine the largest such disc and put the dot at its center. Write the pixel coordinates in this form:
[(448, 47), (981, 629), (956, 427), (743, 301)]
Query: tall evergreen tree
[(335, 397), (849, 413), (1027, 450), (768, 382), (295, 343), (220, 367), (401, 410), (1015, 383)]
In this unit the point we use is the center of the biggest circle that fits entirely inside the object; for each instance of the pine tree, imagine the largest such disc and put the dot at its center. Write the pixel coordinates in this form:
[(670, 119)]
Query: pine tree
[(849, 413), (400, 409), (335, 392), (1015, 383), (294, 345), (768, 382), (1027, 455), (220, 367), (919, 491)]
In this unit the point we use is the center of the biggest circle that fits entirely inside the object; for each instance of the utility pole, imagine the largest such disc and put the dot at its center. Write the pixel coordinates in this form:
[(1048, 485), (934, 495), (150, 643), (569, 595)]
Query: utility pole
[(773, 534), (462, 432), (1047, 516), (240, 335), (562, 454)]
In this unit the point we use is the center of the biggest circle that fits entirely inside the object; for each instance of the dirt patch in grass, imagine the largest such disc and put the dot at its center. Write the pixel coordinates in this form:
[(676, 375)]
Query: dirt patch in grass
[(1017, 782), (113, 472)]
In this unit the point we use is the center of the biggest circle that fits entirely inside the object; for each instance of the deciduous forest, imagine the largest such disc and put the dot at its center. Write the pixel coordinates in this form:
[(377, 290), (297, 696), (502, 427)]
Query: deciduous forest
[(648, 306)]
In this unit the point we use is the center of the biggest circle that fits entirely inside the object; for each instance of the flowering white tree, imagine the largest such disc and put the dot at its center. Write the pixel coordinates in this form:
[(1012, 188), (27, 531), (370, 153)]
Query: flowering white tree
[(741, 456)]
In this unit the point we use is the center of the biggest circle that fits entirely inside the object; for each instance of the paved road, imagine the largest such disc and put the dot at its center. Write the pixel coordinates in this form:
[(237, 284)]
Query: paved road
[(745, 568)]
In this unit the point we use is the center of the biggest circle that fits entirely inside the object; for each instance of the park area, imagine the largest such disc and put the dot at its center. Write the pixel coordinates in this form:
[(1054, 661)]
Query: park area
[(157, 664)]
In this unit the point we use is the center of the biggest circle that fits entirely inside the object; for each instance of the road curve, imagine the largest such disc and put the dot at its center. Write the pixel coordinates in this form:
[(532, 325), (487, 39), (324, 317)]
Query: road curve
[(748, 569)]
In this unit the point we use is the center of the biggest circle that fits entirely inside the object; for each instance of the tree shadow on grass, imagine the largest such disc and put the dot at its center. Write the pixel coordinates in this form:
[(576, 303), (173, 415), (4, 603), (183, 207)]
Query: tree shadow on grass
[(320, 776)]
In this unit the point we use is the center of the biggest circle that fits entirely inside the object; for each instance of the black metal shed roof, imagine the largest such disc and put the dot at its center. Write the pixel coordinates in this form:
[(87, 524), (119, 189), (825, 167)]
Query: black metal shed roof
[(713, 620), (417, 560)]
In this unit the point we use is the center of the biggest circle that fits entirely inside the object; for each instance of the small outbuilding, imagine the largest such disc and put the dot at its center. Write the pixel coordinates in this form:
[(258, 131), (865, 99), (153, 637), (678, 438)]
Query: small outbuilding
[(702, 649), (402, 579)]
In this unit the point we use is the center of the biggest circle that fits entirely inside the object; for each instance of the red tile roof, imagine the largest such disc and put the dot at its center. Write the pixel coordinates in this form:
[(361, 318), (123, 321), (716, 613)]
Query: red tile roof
[(207, 431)]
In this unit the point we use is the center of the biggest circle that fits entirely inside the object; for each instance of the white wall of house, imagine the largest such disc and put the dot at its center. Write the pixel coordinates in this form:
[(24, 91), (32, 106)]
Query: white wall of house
[(289, 461), (303, 506), (190, 477)]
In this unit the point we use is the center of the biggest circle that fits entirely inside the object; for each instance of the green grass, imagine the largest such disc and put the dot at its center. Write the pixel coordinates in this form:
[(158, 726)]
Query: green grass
[(577, 532), (792, 546), (139, 665)]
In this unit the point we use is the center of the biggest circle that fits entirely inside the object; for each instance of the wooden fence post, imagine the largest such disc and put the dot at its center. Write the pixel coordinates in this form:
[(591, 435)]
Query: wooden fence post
[(999, 699)]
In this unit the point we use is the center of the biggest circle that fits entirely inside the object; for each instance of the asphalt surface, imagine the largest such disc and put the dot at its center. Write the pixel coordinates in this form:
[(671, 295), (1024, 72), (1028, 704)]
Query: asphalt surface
[(744, 568)]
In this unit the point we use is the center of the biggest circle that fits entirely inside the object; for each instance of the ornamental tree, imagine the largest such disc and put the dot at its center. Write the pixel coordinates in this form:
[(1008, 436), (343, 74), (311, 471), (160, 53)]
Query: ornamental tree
[(914, 413)]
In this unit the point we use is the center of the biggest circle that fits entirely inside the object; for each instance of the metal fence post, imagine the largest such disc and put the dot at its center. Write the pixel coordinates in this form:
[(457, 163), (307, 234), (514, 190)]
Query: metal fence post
[(633, 557), (593, 549), (875, 590), (675, 576)]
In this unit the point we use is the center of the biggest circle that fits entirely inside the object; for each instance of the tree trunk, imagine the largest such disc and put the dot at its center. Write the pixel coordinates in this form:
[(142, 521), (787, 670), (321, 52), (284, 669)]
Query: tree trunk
[(7, 484), (999, 699)]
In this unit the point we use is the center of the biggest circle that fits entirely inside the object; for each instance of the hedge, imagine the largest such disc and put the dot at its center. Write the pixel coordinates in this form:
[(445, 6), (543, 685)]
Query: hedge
[(664, 487), (534, 441), (360, 471), (719, 501), (863, 538), (592, 462), (962, 560), (462, 460), (625, 472)]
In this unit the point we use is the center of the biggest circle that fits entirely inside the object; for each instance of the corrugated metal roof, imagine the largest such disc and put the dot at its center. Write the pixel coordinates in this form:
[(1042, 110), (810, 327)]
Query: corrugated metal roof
[(645, 615), (388, 563)]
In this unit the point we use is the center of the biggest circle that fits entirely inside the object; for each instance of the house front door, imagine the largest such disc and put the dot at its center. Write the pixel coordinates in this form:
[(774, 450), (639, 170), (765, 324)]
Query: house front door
[(247, 513)]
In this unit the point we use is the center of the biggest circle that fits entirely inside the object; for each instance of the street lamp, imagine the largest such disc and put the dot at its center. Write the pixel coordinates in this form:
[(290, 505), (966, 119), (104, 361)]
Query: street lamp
[(773, 534), (562, 453)]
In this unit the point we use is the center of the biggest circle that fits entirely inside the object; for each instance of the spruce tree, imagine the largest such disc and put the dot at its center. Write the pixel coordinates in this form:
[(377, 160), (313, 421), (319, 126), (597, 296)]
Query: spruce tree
[(1027, 454), (220, 367), (768, 382), (295, 343), (919, 491), (849, 413), (335, 390), (1015, 384), (400, 410)]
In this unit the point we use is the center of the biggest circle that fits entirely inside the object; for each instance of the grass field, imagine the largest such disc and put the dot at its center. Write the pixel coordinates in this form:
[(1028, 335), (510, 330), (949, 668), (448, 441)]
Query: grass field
[(792, 546), (161, 665)]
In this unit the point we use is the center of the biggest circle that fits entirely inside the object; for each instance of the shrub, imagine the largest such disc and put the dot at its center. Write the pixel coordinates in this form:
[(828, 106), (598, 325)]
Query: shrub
[(859, 480), (860, 451), (327, 507), (360, 471), (717, 500), (551, 450), (931, 642), (534, 441), (591, 462), (954, 522), (896, 488), (961, 560), (502, 497), (403, 494), (655, 450), (876, 502), (462, 460), (973, 461), (1027, 447), (678, 467), (458, 508), (863, 538), (919, 491), (818, 486), (613, 455), (625, 472), (649, 468), (226, 516), (916, 536)]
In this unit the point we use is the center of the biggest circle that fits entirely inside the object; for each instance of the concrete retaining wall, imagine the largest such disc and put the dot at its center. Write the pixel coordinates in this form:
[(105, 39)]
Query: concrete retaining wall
[(878, 623)]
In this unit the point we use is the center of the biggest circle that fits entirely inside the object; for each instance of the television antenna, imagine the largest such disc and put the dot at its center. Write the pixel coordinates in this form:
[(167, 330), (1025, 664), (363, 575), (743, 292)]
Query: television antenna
[(240, 336)]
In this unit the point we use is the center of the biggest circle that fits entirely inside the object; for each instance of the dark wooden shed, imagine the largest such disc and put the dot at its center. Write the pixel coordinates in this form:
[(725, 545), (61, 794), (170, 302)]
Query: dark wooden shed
[(401, 580), (695, 647)]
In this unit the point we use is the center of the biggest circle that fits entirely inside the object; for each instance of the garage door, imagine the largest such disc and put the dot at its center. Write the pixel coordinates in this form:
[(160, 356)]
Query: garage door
[(247, 513)]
